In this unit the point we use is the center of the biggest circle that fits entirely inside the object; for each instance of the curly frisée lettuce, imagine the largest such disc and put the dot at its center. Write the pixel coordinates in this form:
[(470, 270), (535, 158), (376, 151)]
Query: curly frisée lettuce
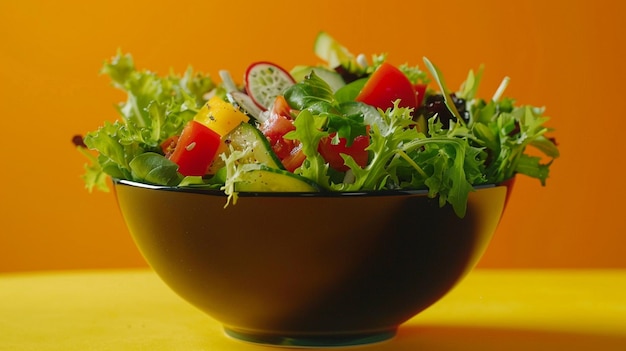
[(450, 143), (156, 108)]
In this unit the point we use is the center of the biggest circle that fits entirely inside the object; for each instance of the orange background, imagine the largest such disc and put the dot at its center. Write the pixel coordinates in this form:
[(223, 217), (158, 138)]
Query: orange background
[(566, 55)]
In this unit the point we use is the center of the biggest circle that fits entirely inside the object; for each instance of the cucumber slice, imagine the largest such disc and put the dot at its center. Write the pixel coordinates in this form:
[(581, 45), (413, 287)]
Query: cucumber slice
[(266, 179), (332, 78), (248, 136), (330, 50)]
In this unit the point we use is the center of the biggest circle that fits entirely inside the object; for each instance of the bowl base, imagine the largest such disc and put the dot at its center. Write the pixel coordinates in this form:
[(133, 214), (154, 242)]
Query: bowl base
[(316, 341)]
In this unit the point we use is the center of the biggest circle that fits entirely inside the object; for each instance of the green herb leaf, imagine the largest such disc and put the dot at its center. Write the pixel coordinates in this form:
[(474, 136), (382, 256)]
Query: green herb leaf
[(309, 134), (308, 92), (153, 168)]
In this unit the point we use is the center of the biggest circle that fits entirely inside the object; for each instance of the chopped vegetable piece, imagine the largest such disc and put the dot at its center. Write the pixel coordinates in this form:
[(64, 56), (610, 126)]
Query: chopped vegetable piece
[(351, 124), (221, 116), (195, 149), (265, 81), (386, 85)]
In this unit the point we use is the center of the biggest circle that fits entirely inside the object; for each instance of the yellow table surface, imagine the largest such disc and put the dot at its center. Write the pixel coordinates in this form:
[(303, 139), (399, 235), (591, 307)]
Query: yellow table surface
[(488, 310)]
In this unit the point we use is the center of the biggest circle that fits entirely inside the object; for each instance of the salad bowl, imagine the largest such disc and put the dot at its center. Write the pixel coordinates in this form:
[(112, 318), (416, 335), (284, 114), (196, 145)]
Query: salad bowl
[(309, 269), (319, 206)]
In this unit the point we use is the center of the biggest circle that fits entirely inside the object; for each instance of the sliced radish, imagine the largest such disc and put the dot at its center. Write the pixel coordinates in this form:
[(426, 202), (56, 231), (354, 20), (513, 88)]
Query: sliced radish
[(265, 81)]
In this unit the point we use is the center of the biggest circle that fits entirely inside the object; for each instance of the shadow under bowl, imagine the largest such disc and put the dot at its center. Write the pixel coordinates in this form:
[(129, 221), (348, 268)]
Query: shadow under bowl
[(323, 269)]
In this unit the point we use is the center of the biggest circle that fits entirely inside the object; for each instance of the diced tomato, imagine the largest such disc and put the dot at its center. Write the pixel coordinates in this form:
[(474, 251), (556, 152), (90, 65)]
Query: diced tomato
[(386, 85), (332, 153), (294, 159), (282, 147), (274, 129), (195, 150), (281, 107), (276, 126)]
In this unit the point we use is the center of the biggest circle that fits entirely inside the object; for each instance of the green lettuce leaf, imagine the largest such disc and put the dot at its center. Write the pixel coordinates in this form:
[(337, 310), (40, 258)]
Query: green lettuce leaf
[(490, 146), (155, 109)]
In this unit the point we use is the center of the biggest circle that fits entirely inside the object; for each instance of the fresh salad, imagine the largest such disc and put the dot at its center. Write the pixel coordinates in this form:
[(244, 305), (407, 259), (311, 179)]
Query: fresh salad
[(351, 123)]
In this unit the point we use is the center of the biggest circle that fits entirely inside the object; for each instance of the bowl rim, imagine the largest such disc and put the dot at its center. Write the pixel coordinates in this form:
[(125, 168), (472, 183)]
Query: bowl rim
[(203, 190)]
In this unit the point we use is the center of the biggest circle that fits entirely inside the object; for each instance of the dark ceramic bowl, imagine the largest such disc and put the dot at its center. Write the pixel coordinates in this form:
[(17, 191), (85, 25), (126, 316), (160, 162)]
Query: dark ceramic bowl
[(309, 269)]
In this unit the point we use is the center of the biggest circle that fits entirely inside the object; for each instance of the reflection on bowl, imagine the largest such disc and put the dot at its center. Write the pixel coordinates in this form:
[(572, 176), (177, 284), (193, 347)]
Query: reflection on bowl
[(324, 269)]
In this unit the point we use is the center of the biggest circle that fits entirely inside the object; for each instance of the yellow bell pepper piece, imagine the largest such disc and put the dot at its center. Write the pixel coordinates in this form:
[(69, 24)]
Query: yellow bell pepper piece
[(220, 116)]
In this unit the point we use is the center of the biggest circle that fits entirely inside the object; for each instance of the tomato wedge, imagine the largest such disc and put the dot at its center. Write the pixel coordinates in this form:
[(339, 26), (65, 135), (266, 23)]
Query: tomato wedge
[(281, 107), (274, 128), (386, 85), (195, 149), (295, 158), (332, 153)]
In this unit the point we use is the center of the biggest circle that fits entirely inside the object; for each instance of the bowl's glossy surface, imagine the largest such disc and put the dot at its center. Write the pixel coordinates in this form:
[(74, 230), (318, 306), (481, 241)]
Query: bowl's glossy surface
[(309, 270)]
